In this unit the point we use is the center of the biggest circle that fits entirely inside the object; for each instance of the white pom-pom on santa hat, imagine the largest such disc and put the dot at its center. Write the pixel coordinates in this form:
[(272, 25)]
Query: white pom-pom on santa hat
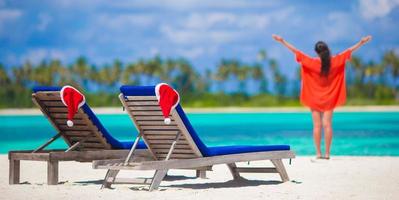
[(168, 99), (73, 100), (167, 120), (70, 123)]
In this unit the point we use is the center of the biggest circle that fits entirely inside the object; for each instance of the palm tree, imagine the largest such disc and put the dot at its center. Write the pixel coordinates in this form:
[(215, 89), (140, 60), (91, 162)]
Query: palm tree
[(167, 69), (259, 76), (280, 81), (4, 79), (186, 78), (356, 82), (238, 74), (130, 75), (357, 65), (5, 83), (153, 68), (55, 71), (116, 70), (207, 81), (242, 74), (81, 72), (93, 72), (67, 76), (296, 83), (262, 56), (23, 75), (222, 73), (391, 60)]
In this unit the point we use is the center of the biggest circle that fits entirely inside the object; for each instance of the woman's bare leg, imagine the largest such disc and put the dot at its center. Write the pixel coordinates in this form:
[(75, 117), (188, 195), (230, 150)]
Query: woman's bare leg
[(328, 132), (316, 116)]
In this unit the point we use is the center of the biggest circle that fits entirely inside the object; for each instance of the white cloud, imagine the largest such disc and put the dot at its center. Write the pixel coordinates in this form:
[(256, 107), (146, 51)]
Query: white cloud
[(124, 20), (340, 26), (36, 55), (194, 36), (154, 51), (221, 27), (209, 20), (191, 53), (11, 58), (195, 4), (77, 4), (225, 19), (170, 5), (114, 28), (44, 21), (372, 9), (7, 16)]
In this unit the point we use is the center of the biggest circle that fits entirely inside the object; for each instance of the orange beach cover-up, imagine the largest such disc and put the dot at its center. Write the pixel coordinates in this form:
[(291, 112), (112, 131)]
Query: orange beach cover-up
[(323, 93)]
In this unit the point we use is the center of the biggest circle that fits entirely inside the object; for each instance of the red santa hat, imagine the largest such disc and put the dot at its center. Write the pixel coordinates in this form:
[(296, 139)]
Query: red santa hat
[(73, 100), (168, 98)]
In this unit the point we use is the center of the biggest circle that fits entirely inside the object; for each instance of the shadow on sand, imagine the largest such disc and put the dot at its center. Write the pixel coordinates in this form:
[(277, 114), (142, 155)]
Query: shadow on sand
[(242, 182), (167, 178), (91, 182)]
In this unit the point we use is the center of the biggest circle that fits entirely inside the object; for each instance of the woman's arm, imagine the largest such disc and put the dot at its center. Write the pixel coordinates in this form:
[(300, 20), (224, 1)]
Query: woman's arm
[(285, 43), (363, 41)]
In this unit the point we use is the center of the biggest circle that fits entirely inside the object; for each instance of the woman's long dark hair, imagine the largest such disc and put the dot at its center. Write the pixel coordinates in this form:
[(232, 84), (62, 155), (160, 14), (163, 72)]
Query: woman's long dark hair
[(323, 51)]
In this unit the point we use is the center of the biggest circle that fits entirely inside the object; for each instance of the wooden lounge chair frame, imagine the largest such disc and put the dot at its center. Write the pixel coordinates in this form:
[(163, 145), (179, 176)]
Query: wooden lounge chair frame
[(162, 141), (86, 142)]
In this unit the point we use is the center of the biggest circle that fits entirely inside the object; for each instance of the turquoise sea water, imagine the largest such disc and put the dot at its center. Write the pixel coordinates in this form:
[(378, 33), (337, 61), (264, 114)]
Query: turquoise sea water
[(374, 133)]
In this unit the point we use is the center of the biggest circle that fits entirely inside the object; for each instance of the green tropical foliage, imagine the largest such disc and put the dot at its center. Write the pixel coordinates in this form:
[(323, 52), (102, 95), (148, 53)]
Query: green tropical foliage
[(368, 82)]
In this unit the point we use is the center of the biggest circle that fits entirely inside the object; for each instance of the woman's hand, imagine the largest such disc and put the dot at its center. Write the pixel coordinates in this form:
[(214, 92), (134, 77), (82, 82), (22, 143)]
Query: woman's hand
[(364, 40), (285, 43), (277, 38)]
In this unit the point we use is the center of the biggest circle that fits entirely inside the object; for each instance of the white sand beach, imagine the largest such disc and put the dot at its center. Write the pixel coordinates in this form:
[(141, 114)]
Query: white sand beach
[(338, 178)]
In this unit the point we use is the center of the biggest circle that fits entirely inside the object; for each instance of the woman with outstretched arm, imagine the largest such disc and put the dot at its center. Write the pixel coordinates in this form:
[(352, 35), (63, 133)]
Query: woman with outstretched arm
[(323, 86)]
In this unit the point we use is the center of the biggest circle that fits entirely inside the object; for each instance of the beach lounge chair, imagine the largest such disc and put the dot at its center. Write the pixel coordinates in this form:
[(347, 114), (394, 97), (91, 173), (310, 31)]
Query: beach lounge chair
[(177, 145), (87, 140)]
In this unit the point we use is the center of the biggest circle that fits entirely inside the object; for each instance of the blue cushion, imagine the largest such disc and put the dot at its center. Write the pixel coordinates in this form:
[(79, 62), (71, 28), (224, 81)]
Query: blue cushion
[(206, 151), (129, 144), (46, 88), (115, 144), (137, 90), (225, 150)]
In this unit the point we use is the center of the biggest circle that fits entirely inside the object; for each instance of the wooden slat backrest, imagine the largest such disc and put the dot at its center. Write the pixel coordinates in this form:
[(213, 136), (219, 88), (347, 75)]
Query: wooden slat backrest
[(49, 102), (158, 136)]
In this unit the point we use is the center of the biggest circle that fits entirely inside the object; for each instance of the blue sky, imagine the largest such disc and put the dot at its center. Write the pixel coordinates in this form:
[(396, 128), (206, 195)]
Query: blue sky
[(203, 31)]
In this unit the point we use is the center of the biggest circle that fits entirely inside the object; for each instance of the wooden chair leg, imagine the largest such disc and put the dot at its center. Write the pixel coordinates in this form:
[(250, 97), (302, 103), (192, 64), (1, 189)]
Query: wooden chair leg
[(52, 172), (14, 171), (158, 177), (201, 174), (105, 181), (233, 169), (110, 177), (278, 163)]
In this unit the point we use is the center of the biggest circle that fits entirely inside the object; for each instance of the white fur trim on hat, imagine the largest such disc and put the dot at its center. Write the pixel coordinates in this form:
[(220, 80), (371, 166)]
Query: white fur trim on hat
[(167, 120), (62, 94)]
